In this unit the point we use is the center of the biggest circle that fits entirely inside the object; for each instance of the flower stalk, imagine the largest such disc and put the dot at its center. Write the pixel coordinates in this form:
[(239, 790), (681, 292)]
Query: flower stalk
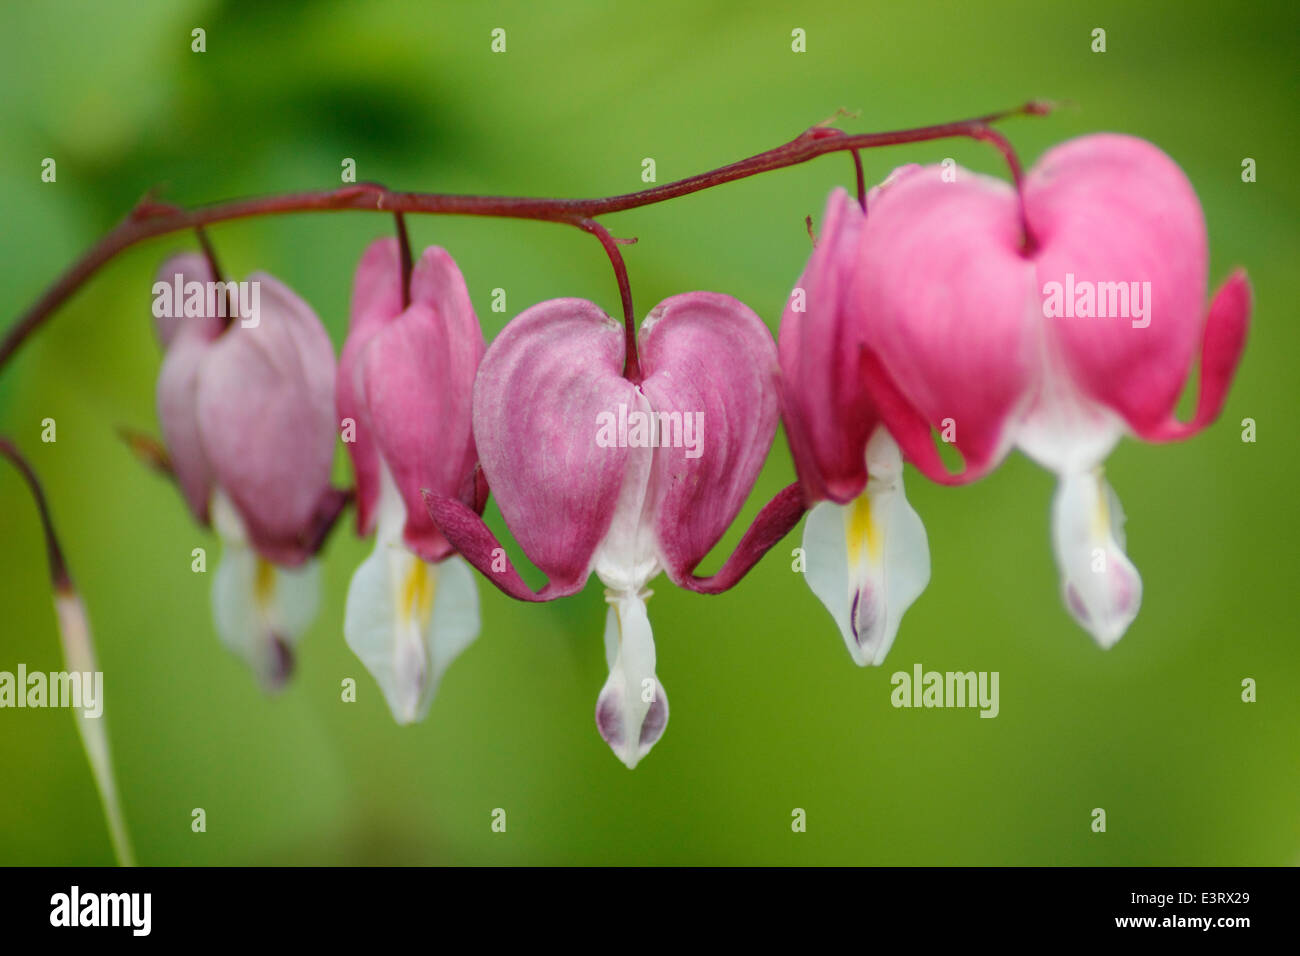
[(150, 219), (79, 657)]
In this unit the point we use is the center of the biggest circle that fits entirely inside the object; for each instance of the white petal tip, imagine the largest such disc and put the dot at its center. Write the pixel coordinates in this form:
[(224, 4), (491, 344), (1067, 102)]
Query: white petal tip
[(616, 716), (261, 610), (868, 561), (1109, 625), (277, 667), (870, 633), (407, 621), (1100, 586), (407, 713)]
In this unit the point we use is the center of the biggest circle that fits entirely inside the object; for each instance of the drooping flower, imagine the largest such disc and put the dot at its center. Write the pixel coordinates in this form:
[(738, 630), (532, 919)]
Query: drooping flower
[(246, 410), (867, 555), (1058, 342), (595, 472), (406, 377)]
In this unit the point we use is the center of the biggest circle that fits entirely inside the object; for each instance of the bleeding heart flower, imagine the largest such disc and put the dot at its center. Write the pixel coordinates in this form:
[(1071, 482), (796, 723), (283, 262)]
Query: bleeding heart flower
[(1058, 342), (246, 413), (866, 550), (594, 472), (405, 381)]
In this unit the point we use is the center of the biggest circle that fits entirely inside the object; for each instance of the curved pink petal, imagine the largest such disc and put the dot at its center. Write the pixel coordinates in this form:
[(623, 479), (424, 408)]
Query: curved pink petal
[(189, 267), (418, 378), (466, 531), (540, 392), (711, 377), (828, 412), (777, 519), (185, 341), (1116, 222), (1221, 348), (266, 420), (376, 300), (177, 397), (947, 306), (376, 285)]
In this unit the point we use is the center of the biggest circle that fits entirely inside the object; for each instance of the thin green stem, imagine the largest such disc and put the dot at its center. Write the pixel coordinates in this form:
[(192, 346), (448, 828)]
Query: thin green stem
[(79, 657)]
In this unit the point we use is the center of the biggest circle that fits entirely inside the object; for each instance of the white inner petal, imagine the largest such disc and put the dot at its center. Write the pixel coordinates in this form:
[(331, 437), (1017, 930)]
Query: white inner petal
[(407, 620), (1099, 584), (260, 609), (627, 557), (1062, 429), (869, 560), (632, 709)]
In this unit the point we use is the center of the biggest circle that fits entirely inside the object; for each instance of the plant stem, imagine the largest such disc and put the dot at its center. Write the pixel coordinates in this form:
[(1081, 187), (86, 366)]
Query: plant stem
[(150, 219), (861, 180), (631, 362), (404, 250), (79, 657)]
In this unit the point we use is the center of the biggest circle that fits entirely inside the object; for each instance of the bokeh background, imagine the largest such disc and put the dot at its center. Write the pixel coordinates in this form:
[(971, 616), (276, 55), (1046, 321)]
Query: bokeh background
[(768, 712)]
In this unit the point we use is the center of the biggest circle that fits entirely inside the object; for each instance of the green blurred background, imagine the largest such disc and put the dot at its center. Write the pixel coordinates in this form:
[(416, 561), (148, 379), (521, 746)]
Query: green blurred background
[(768, 712)]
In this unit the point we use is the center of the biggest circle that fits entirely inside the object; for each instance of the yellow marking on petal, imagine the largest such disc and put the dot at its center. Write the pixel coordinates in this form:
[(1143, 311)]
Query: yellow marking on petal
[(861, 527), (264, 582), (1101, 515), (417, 592)]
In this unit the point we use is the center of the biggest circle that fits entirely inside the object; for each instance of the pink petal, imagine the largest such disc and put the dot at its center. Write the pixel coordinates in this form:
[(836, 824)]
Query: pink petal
[(418, 374), (178, 415), (266, 420), (376, 300), (1221, 348), (826, 406), (710, 360), (1115, 209), (777, 519), (946, 301), (376, 286), (466, 531), (540, 389), (185, 341), (191, 267)]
